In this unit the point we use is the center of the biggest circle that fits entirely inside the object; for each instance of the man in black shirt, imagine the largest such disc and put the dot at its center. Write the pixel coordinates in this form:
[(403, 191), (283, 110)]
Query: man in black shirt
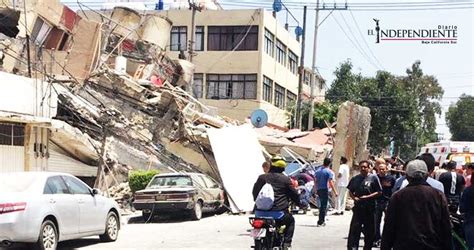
[(363, 189), (387, 182), (453, 186)]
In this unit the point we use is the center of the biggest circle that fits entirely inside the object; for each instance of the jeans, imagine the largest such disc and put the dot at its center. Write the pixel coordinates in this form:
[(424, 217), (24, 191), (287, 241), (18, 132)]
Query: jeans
[(469, 233), (341, 199), (363, 219), (380, 207), (323, 197)]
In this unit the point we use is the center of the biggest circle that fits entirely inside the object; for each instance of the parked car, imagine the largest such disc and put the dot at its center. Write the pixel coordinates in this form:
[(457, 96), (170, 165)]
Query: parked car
[(192, 193), (45, 208)]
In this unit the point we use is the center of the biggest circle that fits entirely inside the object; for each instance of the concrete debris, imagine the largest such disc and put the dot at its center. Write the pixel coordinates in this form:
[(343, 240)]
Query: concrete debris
[(122, 194), (353, 125)]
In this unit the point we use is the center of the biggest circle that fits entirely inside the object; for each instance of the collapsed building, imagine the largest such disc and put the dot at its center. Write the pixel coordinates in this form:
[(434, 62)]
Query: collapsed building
[(101, 98)]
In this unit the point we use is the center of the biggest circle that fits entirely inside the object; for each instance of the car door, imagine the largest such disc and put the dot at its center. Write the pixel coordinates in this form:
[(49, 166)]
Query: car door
[(200, 185), (63, 205), (215, 192), (91, 208)]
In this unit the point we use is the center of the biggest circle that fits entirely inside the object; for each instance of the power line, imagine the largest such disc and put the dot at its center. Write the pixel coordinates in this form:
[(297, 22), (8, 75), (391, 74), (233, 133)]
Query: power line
[(365, 42), (353, 44), (357, 42)]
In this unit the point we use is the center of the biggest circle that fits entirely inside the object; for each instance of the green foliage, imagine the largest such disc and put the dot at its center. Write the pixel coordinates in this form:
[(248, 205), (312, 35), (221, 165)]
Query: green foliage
[(138, 179), (346, 85), (460, 119), (403, 108), (324, 111)]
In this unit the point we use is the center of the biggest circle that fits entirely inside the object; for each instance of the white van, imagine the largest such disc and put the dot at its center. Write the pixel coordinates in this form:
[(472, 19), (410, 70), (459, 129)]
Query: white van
[(458, 151)]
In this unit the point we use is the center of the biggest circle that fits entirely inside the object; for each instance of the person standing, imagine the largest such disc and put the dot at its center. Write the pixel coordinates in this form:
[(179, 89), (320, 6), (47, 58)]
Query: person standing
[(453, 183), (363, 188), (467, 208), (388, 182), (341, 184), (469, 171), (324, 180), (417, 216), (430, 164)]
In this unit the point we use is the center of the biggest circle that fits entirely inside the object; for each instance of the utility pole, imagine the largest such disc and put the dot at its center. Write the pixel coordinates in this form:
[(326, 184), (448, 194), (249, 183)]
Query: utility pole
[(301, 72), (313, 82), (28, 56), (194, 7)]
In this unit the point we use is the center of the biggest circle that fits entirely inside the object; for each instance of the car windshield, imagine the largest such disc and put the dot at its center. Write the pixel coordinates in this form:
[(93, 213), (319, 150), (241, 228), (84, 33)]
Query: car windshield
[(170, 181), (16, 182)]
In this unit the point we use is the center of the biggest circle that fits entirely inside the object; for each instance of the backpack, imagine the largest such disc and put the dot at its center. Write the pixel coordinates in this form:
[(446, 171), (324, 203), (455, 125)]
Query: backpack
[(265, 197)]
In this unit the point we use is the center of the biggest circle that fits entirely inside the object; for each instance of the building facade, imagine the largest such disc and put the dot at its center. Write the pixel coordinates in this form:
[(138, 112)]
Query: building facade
[(245, 60)]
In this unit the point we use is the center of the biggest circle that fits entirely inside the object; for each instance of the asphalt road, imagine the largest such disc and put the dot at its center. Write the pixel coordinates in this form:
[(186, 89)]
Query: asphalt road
[(215, 232)]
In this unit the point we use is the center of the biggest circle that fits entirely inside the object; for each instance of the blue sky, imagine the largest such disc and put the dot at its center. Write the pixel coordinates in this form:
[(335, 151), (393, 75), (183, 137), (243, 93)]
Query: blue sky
[(451, 64)]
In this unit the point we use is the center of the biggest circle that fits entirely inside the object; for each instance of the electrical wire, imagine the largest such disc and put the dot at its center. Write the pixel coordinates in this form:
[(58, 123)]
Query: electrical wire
[(353, 44), (365, 42), (358, 44)]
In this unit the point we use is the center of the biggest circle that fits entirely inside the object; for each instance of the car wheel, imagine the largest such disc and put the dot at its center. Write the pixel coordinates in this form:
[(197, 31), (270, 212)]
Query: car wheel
[(196, 213), (48, 237), (111, 228)]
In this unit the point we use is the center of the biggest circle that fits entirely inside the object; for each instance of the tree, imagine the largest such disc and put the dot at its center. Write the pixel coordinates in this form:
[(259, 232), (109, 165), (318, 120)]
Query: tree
[(345, 86), (460, 119), (323, 112), (428, 94), (403, 108)]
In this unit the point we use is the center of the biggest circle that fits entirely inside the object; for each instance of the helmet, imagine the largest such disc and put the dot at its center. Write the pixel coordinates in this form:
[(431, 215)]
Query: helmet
[(278, 161)]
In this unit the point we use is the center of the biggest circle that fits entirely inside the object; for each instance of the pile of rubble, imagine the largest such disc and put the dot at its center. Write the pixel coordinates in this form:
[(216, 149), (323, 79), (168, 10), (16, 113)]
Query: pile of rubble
[(122, 194)]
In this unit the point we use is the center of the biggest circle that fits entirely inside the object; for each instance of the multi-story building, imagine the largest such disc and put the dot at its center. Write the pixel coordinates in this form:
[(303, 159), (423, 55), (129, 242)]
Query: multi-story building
[(244, 61)]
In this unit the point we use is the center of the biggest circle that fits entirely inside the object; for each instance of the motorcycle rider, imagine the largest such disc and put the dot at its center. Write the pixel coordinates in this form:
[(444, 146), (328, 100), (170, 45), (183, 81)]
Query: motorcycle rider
[(283, 192)]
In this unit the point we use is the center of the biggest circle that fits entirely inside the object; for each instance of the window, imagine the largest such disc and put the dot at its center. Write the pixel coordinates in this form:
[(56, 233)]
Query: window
[(269, 43), (290, 98), (292, 62), (12, 134), (198, 181), (197, 85), (199, 38), (267, 89), (56, 39), (40, 31), (279, 96), (163, 181), (280, 52), (232, 37), (210, 183), (179, 38), (76, 186), (308, 79), (231, 86), (55, 185)]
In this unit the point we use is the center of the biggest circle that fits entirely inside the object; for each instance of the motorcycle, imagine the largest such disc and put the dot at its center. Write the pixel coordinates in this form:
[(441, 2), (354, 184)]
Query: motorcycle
[(457, 221), (267, 233)]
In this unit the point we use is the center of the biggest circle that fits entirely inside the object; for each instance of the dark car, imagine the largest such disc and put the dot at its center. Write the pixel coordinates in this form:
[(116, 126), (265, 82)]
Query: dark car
[(192, 193)]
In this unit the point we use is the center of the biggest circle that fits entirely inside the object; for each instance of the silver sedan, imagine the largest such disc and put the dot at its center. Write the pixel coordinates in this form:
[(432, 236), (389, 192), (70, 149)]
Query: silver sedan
[(45, 208)]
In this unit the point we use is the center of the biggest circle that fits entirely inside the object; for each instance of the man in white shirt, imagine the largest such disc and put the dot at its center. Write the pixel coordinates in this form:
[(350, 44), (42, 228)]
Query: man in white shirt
[(341, 185)]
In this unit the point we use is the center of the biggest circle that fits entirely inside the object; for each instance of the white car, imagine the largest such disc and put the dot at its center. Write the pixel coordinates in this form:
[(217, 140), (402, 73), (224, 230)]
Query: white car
[(45, 208)]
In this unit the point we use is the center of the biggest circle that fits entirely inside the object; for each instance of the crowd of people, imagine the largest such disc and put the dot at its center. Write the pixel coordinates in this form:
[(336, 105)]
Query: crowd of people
[(417, 200)]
